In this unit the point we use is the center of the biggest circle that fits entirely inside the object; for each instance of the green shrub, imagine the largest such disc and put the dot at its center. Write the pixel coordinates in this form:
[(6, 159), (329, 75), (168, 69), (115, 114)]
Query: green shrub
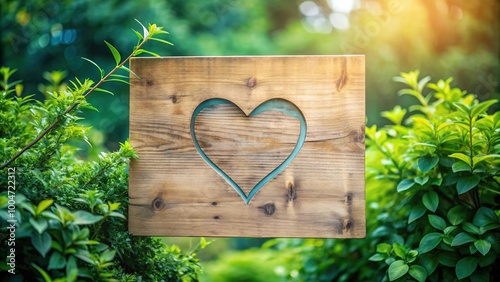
[(252, 265), (62, 217), (433, 195)]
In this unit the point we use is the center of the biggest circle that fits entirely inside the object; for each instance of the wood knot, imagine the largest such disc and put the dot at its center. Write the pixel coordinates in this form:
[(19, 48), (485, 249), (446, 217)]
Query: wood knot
[(173, 98), (214, 203), (268, 209), (251, 82), (348, 198), (344, 226), (158, 204), (347, 225), (292, 192), (358, 136), (149, 82)]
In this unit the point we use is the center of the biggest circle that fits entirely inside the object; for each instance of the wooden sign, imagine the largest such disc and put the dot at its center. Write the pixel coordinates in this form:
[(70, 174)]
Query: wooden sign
[(248, 146)]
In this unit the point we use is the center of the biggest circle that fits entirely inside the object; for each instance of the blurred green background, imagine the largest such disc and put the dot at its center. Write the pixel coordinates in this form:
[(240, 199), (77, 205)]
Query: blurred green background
[(442, 38)]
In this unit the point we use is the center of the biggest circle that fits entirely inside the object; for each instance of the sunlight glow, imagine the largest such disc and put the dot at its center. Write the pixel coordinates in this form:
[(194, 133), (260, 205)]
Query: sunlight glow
[(309, 8), (339, 21), (341, 6)]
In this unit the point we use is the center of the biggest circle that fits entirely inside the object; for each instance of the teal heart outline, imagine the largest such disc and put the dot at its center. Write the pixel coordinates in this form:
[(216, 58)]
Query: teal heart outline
[(277, 104)]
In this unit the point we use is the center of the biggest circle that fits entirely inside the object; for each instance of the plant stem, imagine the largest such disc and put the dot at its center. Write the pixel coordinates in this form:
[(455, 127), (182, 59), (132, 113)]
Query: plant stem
[(72, 107)]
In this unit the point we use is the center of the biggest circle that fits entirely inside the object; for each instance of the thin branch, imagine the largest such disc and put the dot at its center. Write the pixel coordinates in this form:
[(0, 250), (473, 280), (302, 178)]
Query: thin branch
[(58, 119)]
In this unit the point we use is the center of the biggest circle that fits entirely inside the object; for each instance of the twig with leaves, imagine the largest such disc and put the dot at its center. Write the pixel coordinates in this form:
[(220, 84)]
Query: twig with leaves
[(82, 90)]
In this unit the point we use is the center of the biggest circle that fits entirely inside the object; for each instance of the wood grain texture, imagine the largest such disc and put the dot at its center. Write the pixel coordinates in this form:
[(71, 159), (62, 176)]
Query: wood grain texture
[(174, 192)]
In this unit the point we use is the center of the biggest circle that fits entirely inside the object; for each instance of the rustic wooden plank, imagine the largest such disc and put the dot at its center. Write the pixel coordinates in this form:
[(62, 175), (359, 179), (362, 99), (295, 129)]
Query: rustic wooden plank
[(174, 192)]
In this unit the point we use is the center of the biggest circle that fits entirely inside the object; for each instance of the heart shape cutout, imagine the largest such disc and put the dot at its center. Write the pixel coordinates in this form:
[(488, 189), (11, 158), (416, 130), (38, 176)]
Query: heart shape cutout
[(279, 105)]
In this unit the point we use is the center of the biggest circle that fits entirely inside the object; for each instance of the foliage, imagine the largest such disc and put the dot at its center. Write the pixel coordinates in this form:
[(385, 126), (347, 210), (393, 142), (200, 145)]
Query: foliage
[(433, 195), (69, 214), (446, 164), (251, 265)]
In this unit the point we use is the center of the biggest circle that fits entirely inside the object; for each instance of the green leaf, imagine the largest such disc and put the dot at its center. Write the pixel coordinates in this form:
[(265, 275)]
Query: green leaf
[(41, 242), (431, 200), (466, 183), (39, 224), (465, 267), (463, 108), (56, 246), (411, 256), (448, 258), (462, 238), (117, 214), (456, 215), (477, 160), (449, 229), (384, 248), (85, 218), (162, 41), (420, 180), (416, 212), (462, 157), (484, 216), (405, 184), (140, 51), (429, 262), (104, 91), (482, 107), (399, 250), (115, 53), (139, 35), (117, 80), (427, 162), (377, 257), (44, 274), (418, 273), (56, 261), (429, 242), (460, 166), (43, 205), (71, 269), (483, 246), (488, 259), (101, 71), (437, 222), (471, 228), (397, 269), (129, 71), (107, 255), (85, 256), (488, 227)]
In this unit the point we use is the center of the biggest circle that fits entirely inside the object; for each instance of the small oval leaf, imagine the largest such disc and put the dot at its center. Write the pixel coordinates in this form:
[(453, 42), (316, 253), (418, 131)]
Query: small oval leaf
[(418, 273), (483, 246), (427, 162), (466, 183), (437, 222), (405, 184), (429, 242), (465, 267), (397, 269), (431, 200)]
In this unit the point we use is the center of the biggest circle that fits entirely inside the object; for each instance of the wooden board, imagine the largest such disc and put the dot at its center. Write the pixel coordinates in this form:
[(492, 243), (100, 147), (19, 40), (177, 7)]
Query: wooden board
[(287, 131)]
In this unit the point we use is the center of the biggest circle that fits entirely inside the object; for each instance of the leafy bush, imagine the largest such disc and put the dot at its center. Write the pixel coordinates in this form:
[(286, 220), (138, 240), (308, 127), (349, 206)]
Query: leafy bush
[(62, 217), (433, 196), (251, 265)]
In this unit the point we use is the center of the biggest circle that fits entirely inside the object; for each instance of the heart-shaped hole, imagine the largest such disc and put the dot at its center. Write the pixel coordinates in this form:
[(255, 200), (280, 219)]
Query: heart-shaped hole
[(248, 151)]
